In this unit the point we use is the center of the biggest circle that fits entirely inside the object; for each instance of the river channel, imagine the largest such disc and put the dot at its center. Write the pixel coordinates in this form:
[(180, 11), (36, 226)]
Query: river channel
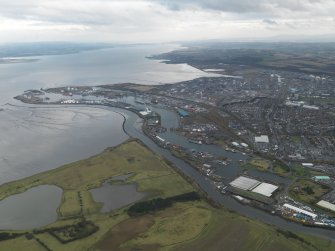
[(133, 127), (25, 150)]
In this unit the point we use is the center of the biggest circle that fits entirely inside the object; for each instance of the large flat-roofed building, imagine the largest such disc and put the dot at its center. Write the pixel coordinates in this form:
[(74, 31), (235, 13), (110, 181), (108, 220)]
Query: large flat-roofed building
[(146, 112), (317, 178), (244, 183), (182, 112), (262, 139), (265, 189), (326, 204), (299, 210)]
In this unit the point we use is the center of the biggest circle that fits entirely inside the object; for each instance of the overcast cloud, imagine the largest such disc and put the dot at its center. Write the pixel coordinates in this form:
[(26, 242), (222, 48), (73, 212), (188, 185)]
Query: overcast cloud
[(162, 20)]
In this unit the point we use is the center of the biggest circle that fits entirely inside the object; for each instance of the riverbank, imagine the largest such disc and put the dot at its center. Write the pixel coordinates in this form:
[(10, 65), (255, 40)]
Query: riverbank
[(133, 126), (154, 176)]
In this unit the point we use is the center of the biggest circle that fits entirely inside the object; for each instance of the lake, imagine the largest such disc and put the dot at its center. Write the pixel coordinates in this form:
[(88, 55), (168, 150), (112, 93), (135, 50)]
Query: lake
[(33, 208)]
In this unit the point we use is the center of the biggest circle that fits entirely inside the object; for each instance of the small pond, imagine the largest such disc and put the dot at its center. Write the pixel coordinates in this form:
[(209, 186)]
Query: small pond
[(33, 208), (114, 196)]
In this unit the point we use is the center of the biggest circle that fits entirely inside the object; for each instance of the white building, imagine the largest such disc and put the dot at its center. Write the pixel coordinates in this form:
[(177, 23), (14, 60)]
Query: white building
[(326, 204), (299, 210), (265, 189), (235, 144), (244, 183), (262, 139), (146, 112)]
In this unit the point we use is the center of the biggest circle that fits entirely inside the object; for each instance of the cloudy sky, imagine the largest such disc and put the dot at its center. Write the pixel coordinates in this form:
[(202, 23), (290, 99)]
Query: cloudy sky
[(162, 20)]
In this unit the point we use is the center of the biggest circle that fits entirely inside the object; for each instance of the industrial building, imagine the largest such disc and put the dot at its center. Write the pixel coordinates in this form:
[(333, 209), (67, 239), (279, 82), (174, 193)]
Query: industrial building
[(182, 112), (307, 164), (235, 144), (146, 112), (160, 139), (326, 204), (253, 185), (318, 178), (262, 139), (244, 183), (299, 210), (265, 189)]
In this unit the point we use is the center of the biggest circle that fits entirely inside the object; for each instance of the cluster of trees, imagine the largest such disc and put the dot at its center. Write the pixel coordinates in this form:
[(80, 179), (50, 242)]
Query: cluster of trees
[(7, 236), (73, 232), (63, 234), (156, 204), (308, 190)]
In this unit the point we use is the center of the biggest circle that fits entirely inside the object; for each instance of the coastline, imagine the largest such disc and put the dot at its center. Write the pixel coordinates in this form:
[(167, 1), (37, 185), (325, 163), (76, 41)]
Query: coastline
[(190, 174)]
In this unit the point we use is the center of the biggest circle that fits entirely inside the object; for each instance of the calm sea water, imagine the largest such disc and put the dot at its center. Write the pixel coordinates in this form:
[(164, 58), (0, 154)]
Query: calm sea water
[(106, 66), (38, 139)]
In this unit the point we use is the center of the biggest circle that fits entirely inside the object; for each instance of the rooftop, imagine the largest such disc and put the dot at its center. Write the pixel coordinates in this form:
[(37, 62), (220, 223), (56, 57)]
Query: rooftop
[(326, 204), (262, 139), (265, 189), (182, 112), (321, 177), (299, 210), (244, 183)]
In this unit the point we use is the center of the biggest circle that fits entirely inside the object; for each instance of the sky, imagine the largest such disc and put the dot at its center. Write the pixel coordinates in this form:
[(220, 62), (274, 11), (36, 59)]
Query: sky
[(147, 21)]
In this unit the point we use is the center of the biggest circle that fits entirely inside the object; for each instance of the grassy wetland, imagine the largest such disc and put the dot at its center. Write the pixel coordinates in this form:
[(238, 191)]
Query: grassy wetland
[(183, 225)]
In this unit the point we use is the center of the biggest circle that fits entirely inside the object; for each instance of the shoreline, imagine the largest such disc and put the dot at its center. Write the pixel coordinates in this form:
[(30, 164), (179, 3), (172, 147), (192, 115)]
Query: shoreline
[(209, 194)]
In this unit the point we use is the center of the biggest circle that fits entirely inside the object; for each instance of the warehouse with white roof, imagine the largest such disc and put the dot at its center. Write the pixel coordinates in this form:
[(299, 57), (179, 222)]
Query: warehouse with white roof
[(265, 189), (326, 204), (299, 210), (245, 183), (253, 185), (262, 139)]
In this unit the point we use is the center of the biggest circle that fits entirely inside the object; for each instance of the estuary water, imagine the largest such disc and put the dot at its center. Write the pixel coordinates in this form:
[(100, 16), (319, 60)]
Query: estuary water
[(37, 138), (105, 66)]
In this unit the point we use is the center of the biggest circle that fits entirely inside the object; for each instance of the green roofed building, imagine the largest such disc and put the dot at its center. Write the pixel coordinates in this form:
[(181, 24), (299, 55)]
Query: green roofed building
[(321, 177), (182, 112)]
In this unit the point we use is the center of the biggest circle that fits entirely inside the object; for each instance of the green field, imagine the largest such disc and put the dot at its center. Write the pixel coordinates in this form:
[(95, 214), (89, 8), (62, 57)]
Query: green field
[(266, 165), (193, 225), (308, 191), (229, 231), (258, 163), (21, 243), (296, 139), (183, 222), (196, 226), (149, 171), (132, 157)]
